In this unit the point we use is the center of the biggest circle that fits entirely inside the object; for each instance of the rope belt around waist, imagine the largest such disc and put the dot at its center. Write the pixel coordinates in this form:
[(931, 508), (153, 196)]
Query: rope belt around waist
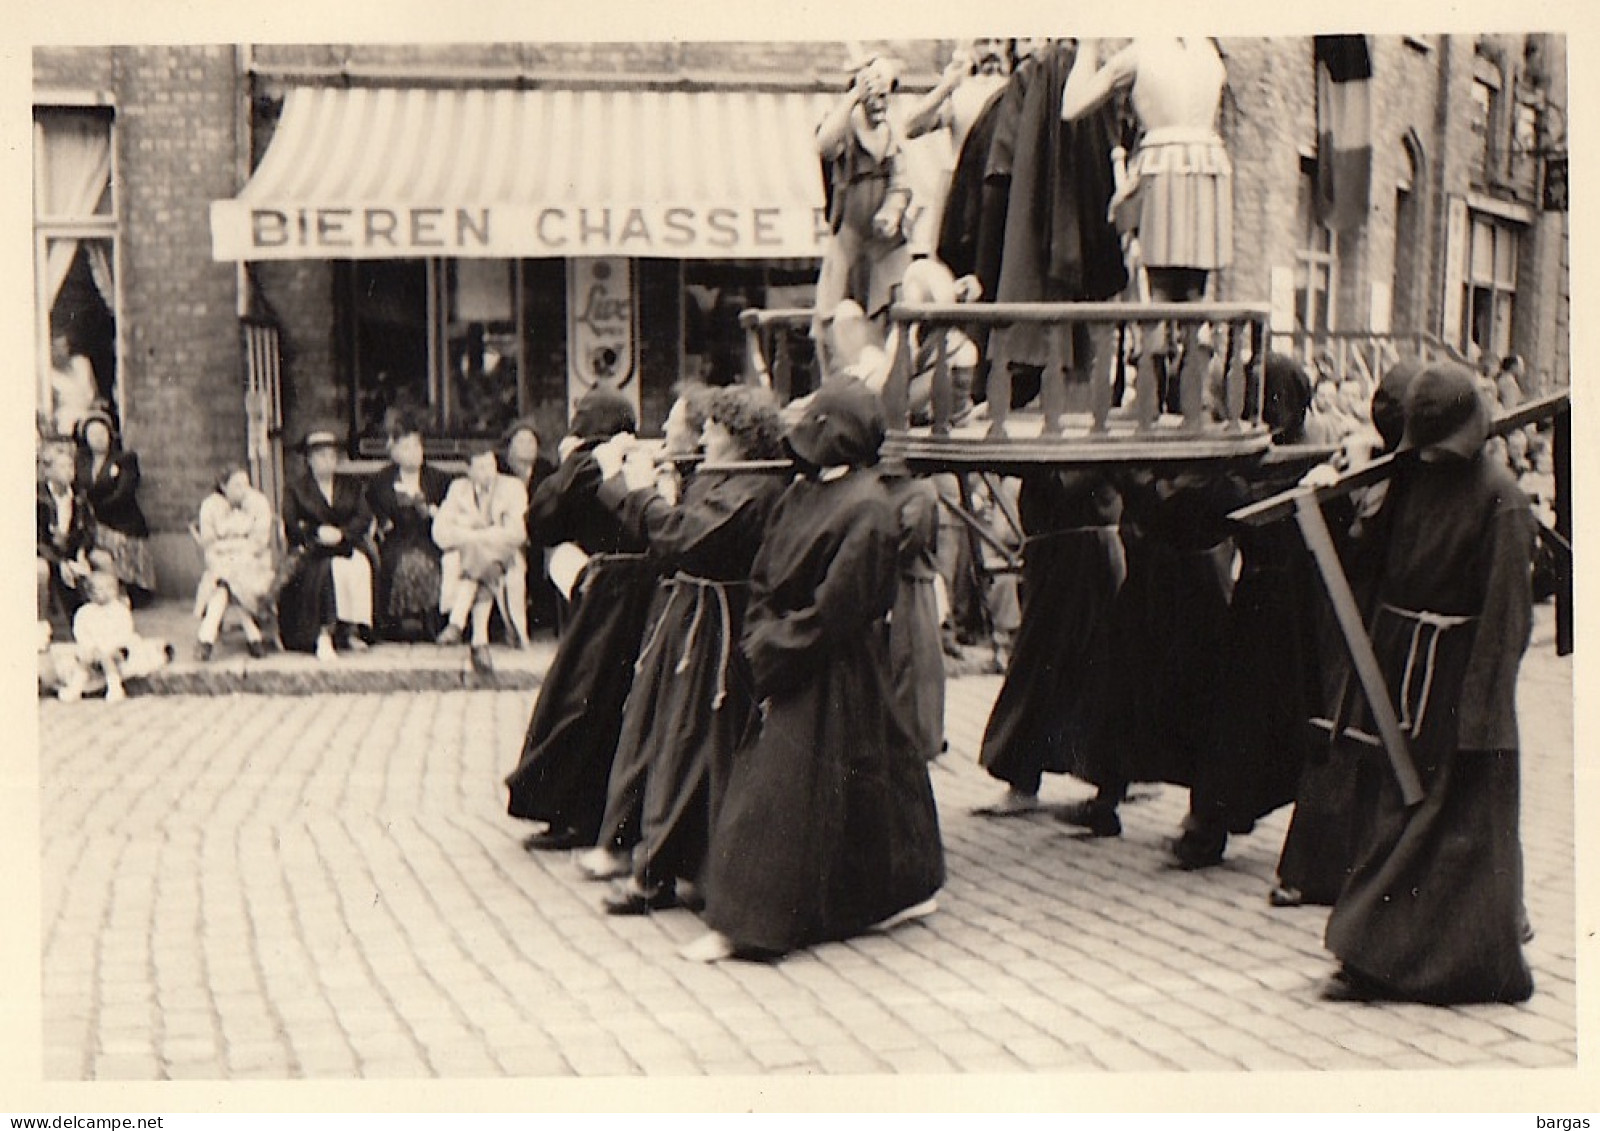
[(1414, 710), (1067, 532), (703, 591)]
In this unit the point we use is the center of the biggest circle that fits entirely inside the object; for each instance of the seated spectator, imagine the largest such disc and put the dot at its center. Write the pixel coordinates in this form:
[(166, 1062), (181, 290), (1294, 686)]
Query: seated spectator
[(481, 528), (234, 532), (64, 535), (326, 600), (109, 478), (404, 499), (105, 643), (525, 460)]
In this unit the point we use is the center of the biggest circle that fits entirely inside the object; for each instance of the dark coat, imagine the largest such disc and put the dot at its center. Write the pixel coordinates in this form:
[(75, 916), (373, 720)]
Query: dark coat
[(405, 530), (1433, 906), (113, 494), (562, 775), (306, 605), (1049, 715), (691, 699)]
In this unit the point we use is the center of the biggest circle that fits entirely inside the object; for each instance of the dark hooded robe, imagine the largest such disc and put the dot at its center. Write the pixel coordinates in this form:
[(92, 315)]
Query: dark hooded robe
[(691, 699), (572, 735), (1433, 910), (1047, 717), (1320, 846), (916, 656), (1166, 631), (828, 822)]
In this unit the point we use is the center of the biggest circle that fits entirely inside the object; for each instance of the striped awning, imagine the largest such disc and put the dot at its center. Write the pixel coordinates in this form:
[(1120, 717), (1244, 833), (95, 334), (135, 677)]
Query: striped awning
[(374, 173)]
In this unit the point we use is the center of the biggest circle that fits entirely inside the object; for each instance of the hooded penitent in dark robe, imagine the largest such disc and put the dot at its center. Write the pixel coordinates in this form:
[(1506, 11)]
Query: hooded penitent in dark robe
[(1047, 718), (915, 654), (1319, 849), (691, 698), (1166, 630), (306, 604), (828, 822), (1269, 688), (1433, 907), (1059, 245), (572, 735)]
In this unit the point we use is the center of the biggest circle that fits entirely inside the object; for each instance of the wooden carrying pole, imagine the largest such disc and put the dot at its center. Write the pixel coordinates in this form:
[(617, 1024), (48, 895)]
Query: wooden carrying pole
[(1314, 528)]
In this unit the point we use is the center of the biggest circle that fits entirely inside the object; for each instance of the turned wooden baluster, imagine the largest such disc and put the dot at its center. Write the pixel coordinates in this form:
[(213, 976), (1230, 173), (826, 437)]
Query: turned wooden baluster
[(1053, 381), (942, 394), (1233, 382), (1146, 390), (1108, 345), (999, 387), (1192, 377)]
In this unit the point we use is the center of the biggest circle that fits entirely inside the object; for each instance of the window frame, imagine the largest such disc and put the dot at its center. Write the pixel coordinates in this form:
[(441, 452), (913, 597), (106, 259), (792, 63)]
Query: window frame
[(46, 227)]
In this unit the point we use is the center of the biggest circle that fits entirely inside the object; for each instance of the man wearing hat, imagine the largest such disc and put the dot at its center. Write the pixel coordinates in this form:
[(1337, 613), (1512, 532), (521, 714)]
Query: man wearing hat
[(1432, 910), (328, 600)]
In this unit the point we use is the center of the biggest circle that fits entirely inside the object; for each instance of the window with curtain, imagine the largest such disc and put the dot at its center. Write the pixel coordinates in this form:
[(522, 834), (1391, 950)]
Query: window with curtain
[(75, 232), (1491, 286)]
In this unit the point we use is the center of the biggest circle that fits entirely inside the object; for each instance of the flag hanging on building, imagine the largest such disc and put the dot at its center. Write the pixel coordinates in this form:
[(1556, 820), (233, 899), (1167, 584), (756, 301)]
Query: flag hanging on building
[(1344, 130)]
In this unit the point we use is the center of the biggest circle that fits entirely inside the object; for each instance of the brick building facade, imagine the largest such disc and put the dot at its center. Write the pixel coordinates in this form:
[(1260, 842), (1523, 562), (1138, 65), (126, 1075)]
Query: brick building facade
[(1463, 128)]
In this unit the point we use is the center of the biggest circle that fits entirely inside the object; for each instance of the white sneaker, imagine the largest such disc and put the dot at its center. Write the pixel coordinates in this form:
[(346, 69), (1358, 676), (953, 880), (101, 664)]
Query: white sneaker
[(70, 693), (325, 649), (115, 693), (907, 915)]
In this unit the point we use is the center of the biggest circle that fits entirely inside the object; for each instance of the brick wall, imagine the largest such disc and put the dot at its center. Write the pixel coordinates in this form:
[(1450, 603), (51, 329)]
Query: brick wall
[(72, 68), (181, 368), (1268, 116)]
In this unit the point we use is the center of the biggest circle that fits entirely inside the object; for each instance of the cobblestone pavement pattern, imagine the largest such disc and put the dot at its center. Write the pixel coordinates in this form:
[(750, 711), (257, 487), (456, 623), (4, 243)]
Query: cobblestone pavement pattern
[(250, 886)]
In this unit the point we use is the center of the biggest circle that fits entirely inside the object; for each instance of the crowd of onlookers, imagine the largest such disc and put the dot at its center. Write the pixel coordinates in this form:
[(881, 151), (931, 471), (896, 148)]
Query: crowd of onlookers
[(410, 553)]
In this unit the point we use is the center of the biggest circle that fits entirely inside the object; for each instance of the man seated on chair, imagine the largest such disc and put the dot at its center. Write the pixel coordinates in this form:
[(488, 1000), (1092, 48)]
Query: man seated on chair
[(480, 527)]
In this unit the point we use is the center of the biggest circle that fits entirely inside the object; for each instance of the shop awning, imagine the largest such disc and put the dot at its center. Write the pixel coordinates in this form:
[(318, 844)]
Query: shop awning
[(375, 173)]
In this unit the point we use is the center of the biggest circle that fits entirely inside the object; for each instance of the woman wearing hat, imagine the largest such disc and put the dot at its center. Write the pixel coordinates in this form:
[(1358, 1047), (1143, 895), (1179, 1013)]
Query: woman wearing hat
[(109, 479), (328, 600), (1432, 910)]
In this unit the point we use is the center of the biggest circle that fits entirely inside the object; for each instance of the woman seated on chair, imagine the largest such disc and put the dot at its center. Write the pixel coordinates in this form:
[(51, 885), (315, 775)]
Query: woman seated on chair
[(481, 527), (235, 533), (327, 599), (404, 498)]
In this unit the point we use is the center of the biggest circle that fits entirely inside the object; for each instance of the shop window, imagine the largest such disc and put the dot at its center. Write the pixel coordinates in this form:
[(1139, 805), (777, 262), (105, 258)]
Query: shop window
[(1315, 260), (714, 294), (1491, 287), (448, 341), (75, 245)]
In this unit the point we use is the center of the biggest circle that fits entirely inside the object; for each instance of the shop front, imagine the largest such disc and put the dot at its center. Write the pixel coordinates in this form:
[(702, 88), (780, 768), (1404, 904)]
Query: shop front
[(495, 253)]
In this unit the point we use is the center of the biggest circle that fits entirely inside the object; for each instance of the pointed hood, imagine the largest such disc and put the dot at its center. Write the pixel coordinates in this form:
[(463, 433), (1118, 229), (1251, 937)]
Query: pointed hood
[(1445, 413)]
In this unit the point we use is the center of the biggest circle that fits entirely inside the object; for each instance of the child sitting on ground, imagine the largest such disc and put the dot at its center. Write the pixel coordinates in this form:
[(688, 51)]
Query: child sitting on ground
[(103, 635)]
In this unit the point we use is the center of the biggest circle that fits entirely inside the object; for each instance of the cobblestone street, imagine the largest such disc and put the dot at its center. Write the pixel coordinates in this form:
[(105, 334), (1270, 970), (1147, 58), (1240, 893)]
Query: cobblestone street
[(327, 886)]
